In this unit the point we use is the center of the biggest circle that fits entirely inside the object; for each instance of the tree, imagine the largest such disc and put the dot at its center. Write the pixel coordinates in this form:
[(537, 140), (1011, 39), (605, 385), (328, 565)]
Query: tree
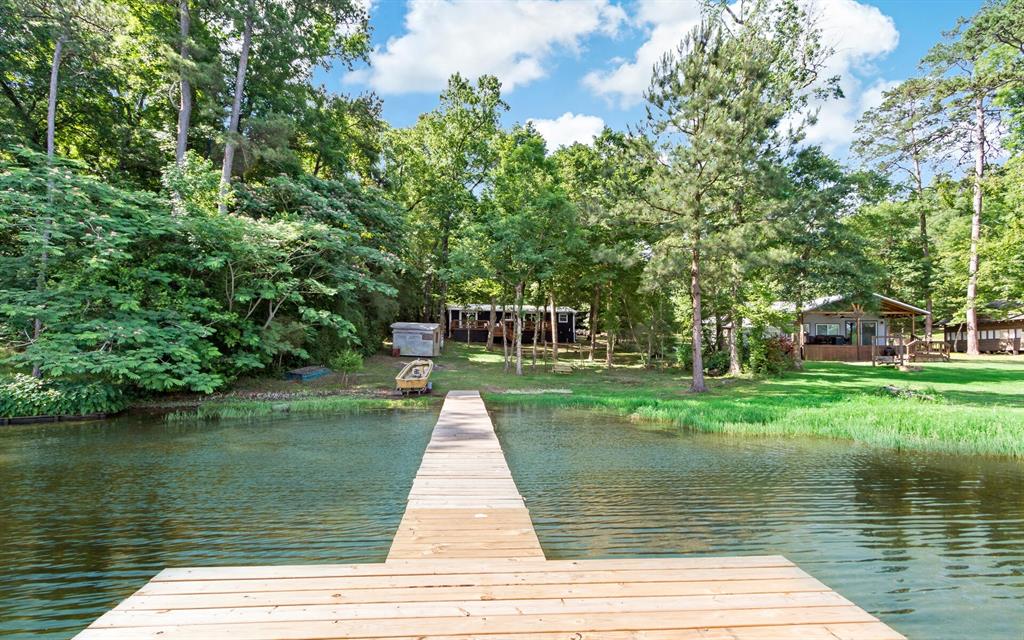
[(290, 36), (715, 112), (818, 254), (527, 221), (902, 135), (968, 71), (435, 169), (185, 82), (236, 105)]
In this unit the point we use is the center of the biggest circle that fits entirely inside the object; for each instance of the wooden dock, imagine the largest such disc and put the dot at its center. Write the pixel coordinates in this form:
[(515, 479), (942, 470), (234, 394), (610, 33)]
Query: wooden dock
[(464, 503), (466, 563)]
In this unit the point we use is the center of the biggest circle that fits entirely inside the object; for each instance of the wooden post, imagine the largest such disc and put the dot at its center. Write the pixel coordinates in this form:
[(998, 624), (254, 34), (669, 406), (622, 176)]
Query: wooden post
[(490, 326), (554, 329), (859, 339)]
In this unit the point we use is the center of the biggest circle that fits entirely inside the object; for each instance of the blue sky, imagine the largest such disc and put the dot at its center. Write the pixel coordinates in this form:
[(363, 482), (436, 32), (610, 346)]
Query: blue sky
[(574, 66)]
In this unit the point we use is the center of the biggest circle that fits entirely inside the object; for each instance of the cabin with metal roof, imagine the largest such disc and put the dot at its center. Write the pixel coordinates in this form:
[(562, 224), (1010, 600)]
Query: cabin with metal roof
[(471, 322)]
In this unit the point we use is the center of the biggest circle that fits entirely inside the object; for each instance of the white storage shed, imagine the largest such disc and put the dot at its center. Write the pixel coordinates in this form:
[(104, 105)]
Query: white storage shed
[(416, 339)]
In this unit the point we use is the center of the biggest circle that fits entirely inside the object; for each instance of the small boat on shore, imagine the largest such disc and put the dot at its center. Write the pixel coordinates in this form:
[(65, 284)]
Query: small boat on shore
[(415, 377)]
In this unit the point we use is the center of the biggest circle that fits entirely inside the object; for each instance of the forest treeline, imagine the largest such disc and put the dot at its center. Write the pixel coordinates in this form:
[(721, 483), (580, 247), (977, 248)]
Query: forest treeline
[(181, 204)]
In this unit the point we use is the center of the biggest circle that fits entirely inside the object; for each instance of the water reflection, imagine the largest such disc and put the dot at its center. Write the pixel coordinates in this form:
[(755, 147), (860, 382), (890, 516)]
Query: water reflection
[(932, 544), (90, 512)]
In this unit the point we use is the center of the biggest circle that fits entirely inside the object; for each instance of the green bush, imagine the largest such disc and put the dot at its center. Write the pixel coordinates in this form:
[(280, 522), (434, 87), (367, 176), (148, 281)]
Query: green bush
[(770, 355), (682, 355), (716, 363), (23, 395), (347, 362)]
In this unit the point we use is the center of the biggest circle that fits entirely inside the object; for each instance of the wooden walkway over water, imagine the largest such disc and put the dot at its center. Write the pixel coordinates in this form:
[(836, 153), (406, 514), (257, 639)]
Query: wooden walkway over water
[(466, 563)]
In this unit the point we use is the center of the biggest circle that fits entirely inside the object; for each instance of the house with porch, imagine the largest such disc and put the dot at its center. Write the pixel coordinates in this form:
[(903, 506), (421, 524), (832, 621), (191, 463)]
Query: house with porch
[(836, 329)]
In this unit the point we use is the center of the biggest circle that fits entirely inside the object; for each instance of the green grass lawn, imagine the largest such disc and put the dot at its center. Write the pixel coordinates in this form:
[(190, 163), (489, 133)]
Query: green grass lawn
[(978, 404)]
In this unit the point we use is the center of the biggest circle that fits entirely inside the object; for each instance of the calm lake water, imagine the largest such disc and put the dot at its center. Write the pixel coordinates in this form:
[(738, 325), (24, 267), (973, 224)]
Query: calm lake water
[(934, 545), (89, 512)]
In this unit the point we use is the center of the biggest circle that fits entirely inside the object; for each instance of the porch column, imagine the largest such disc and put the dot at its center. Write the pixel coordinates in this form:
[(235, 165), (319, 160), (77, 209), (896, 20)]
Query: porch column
[(859, 338)]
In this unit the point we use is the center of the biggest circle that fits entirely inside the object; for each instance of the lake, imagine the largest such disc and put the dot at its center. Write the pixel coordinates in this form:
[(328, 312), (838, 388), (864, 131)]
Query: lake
[(934, 545)]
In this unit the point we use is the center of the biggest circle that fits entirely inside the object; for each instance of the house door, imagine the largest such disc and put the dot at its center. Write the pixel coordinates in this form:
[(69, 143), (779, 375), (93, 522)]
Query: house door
[(868, 331)]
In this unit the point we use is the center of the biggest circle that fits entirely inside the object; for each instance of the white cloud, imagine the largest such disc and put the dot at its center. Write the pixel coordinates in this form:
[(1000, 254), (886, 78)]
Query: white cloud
[(859, 33), (875, 94), (568, 128), (667, 22), (512, 40)]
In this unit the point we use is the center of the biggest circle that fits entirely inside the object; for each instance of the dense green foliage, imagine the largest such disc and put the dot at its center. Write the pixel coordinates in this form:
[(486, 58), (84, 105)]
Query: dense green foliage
[(23, 395), (130, 292)]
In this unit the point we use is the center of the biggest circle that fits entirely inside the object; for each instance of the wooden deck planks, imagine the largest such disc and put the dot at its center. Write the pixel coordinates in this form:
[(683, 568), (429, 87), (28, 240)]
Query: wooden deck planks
[(466, 563), (464, 499)]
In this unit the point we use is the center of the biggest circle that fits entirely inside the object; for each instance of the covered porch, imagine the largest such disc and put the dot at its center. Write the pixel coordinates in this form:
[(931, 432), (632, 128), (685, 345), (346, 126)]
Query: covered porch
[(837, 330)]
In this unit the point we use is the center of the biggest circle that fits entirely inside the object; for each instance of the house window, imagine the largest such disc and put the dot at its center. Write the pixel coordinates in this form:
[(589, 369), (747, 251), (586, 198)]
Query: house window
[(851, 328), (563, 318), (827, 329)]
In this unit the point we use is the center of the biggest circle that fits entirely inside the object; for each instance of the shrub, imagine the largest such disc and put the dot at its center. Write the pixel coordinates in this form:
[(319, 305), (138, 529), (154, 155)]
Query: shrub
[(346, 362), (682, 355), (23, 395), (770, 355), (716, 363)]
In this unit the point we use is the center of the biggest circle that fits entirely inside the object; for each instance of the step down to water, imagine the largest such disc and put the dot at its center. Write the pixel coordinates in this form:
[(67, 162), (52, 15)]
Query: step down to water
[(466, 563)]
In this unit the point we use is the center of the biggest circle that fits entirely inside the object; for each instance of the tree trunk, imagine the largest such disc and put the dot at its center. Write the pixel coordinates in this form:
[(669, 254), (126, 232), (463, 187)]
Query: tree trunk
[(538, 328), (504, 336), (490, 327), (427, 294), (697, 385), (443, 288), (236, 109), (593, 320), (798, 348), (554, 329), (925, 250), (650, 346), (51, 106), (972, 267), (609, 351), (51, 152), (185, 108), (519, 328), (735, 367)]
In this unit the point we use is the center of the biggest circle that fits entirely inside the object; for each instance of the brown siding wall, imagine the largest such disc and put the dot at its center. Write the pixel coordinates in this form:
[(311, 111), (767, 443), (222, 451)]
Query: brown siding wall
[(988, 345), (836, 353)]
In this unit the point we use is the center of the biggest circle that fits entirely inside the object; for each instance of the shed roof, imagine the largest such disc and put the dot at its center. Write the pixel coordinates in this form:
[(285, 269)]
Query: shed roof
[(416, 326), (527, 308)]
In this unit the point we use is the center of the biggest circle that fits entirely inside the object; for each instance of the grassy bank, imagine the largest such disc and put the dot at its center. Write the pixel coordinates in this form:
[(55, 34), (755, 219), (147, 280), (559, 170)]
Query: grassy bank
[(977, 405), (255, 408)]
